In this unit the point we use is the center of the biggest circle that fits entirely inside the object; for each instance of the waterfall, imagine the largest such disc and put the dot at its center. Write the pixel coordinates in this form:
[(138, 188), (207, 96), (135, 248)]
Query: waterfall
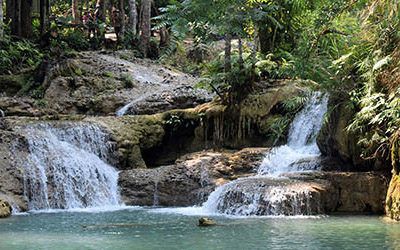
[(301, 152), (269, 194), (68, 167)]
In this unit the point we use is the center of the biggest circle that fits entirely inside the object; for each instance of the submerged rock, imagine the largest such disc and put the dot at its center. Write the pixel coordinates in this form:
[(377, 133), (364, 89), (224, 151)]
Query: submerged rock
[(206, 222)]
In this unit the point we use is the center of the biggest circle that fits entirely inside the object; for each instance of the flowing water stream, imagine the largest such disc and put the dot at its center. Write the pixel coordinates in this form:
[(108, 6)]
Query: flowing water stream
[(67, 167)]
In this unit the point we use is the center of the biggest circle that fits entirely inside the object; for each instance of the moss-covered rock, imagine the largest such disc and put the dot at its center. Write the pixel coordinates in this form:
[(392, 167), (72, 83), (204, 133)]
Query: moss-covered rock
[(133, 134)]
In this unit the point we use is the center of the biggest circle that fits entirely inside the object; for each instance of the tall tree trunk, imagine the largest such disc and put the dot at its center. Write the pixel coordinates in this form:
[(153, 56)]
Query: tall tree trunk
[(1, 19), (122, 18), (9, 10), (26, 18), (16, 17), (145, 27), (264, 38), (76, 10), (241, 61), (133, 15), (228, 48), (44, 16)]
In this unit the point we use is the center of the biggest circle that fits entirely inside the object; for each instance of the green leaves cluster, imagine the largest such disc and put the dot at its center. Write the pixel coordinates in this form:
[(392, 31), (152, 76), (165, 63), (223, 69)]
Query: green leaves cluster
[(17, 55)]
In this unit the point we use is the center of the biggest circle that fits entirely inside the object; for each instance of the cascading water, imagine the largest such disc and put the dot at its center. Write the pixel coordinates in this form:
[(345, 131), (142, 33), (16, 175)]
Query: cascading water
[(268, 193), (67, 167)]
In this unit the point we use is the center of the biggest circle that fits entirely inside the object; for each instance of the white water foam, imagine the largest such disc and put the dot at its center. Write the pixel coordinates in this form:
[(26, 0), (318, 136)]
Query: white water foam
[(67, 167), (302, 141)]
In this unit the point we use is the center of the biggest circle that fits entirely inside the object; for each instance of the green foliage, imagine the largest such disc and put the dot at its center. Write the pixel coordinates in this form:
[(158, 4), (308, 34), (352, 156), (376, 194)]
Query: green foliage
[(17, 55), (128, 81), (108, 74)]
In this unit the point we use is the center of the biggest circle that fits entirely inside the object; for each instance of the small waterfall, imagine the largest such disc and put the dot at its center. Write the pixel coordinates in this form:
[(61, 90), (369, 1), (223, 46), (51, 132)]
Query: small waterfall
[(269, 194), (67, 167), (301, 152)]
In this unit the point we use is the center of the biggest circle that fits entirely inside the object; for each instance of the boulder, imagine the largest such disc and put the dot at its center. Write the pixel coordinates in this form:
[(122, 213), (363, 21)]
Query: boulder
[(194, 175), (310, 193), (206, 222), (5, 209)]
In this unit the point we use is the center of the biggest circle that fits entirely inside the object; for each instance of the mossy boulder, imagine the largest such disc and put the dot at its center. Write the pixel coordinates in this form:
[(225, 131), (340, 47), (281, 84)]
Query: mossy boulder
[(132, 135)]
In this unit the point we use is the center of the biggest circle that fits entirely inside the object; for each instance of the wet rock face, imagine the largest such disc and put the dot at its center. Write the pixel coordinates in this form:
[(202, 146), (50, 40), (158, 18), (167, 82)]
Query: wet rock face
[(267, 196), (13, 149), (304, 194)]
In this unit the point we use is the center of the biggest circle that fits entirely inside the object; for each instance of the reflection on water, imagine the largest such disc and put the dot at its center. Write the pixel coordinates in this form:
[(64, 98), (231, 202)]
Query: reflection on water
[(140, 228)]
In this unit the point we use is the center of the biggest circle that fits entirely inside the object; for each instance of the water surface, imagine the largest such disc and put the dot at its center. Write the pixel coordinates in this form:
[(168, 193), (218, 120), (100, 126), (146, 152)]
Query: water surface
[(139, 228)]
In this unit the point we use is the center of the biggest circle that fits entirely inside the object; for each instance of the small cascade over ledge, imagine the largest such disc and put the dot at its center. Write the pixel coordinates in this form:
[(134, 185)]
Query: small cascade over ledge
[(67, 167), (269, 192)]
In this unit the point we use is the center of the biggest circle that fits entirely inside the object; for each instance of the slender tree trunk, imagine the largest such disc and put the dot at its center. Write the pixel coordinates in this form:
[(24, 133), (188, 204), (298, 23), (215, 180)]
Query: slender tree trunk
[(1, 19), (9, 10), (16, 17), (76, 13), (26, 18), (228, 48), (133, 15), (122, 18), (145, 27), (44, 16), (241, 61), (264, 39)]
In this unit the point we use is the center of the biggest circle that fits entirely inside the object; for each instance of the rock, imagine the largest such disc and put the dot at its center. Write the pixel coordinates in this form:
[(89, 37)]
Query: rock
[(195, 175), (309, 193), (335, 141), (81, 85), (13, 149), (206, 222), (392, 207), (5, 209)]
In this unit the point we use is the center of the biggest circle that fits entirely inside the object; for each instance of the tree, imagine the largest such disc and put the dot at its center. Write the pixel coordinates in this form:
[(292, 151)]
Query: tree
[(9, 10), (133, 15), (1, 19), (76, 13), (26, 18), (122, 18), (145, 27), (44, 15)]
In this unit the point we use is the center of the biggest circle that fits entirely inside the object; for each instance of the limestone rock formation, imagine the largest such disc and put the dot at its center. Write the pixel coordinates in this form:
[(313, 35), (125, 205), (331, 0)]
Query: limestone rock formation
[(194, 175)]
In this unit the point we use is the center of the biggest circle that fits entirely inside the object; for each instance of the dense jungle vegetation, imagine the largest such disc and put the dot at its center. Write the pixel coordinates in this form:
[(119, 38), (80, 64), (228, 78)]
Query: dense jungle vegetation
[(349, 47)]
